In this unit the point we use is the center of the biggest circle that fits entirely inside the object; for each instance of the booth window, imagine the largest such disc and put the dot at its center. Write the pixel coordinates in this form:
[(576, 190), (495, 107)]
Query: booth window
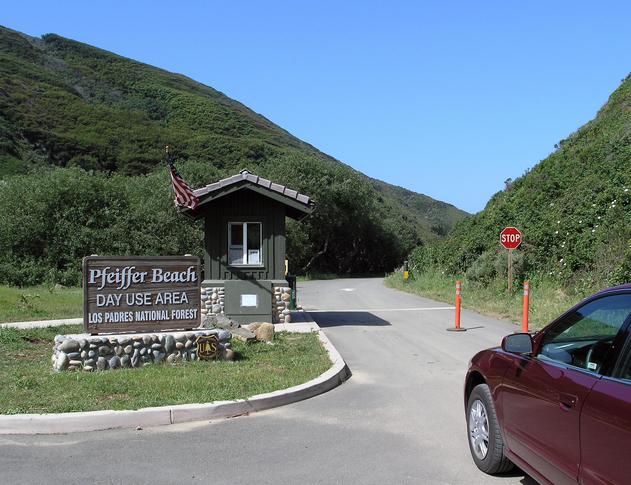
[(244, 243)]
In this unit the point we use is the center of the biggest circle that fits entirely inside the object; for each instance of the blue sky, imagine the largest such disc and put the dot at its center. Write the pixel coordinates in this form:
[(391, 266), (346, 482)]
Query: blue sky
[(444, 98)]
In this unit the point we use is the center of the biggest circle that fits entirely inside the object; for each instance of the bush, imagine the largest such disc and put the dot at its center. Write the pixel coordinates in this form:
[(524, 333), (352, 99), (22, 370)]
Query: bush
[(54, 217), (622, 274), (483, 269)]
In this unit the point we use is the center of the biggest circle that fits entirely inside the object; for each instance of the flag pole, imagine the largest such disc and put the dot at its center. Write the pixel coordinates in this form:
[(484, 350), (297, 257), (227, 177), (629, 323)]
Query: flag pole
[(167, 150)]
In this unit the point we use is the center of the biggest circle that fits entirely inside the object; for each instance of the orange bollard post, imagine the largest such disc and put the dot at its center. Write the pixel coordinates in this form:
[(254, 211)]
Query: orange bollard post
[(457, 327), (524, 321), (458, 302)]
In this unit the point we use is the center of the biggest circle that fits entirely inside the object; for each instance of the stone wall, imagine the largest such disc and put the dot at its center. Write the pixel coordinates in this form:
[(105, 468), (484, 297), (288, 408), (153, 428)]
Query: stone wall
[(280, 304), (97, 352), (213, 300)]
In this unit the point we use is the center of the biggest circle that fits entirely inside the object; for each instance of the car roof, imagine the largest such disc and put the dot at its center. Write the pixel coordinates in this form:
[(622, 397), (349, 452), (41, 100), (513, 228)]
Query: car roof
[(626, 286)]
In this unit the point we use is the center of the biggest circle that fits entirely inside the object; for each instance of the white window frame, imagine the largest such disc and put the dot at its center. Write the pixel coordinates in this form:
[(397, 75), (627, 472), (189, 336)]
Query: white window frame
[(244, 244)]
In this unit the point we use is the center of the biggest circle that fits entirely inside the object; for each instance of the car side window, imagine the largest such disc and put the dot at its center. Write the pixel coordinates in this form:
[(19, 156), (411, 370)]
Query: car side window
[(625, 369), (584, 338)]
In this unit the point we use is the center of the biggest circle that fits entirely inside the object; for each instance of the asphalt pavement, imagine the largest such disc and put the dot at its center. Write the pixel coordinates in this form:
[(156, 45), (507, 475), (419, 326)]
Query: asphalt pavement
[(398, 419)]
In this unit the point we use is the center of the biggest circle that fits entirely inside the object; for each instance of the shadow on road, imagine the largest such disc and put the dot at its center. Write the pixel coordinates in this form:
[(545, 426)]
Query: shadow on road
[(340, 319)]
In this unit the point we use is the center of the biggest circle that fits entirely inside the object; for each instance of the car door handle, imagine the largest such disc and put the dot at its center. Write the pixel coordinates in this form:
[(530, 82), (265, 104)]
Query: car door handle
[(567, 401)]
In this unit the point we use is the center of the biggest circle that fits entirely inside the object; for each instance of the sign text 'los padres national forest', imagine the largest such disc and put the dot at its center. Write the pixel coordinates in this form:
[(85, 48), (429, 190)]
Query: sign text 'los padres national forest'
[(141, 294)]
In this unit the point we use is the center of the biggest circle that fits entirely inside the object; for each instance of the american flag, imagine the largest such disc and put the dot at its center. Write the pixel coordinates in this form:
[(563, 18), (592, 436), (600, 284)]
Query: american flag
[(184, 196)]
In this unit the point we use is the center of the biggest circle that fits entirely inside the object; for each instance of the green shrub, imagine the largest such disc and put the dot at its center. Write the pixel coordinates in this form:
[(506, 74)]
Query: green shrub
[(622, 274), (483, 269), (53, 217)]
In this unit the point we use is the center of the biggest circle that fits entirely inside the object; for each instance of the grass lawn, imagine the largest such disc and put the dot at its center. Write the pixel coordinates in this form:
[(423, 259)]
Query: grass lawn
[(39, 303), (30, 386), (547, 300)]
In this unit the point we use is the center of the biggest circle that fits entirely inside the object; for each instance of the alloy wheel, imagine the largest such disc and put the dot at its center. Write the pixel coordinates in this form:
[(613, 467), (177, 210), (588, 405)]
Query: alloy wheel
[(479, 429)]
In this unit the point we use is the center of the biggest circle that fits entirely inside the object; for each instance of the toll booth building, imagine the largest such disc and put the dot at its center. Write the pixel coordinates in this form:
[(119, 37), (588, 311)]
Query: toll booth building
[(244, 246)]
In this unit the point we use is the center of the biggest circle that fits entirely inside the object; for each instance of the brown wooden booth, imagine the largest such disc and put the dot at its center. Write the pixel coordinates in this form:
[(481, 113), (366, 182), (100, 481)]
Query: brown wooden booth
[(244, 245)]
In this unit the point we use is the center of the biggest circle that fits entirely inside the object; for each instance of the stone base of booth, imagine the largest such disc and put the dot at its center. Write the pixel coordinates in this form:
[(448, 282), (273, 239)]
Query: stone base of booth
[(280, 305), (84, 352), (214, 302)]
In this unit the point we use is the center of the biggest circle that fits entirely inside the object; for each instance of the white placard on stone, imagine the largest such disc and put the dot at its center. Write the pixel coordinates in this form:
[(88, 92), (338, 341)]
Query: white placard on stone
[(248, 300)]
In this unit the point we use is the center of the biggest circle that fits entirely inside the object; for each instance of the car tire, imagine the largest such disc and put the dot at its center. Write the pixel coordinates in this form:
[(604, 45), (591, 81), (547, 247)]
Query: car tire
[(483, 433)]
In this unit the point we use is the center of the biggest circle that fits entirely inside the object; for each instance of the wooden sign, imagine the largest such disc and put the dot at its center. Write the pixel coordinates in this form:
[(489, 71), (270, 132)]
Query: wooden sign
[(141, 294), (207, 347)]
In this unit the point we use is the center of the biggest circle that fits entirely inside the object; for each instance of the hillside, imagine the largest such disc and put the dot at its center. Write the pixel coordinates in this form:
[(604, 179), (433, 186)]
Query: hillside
[(437, 217), (77, 120), (573, 207)]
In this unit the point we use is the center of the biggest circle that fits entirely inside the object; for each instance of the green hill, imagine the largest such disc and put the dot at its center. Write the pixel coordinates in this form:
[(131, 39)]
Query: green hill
[(573, 207), (437, 217), (82, 133)]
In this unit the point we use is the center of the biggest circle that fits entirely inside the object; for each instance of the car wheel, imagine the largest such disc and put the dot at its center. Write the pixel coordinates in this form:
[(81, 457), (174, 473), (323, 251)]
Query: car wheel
[(485, 440)]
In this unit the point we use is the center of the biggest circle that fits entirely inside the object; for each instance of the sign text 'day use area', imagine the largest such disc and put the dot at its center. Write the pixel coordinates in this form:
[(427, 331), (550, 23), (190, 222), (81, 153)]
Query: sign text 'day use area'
[(141, 294)]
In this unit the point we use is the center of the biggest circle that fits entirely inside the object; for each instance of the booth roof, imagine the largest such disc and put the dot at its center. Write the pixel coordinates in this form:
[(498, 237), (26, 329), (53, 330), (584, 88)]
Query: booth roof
[(244, 179)]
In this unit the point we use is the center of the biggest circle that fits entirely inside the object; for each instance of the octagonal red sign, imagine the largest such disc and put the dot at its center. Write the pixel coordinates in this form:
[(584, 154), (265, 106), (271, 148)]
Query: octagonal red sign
[(511, 237)]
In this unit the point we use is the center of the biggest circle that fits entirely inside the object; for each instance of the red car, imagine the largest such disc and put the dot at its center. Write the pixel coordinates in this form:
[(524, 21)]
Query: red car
[(558, 403)]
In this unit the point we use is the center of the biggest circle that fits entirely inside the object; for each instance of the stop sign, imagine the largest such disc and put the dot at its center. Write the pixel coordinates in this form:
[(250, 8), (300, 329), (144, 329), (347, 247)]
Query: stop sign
[(510, 237)]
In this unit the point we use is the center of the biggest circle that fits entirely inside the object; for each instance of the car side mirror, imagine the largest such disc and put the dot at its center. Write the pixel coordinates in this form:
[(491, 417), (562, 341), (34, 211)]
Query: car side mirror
[(517, 343)]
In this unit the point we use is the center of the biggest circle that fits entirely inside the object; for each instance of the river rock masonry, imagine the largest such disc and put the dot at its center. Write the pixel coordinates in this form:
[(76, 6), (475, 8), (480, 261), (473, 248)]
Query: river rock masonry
[(84, 352)]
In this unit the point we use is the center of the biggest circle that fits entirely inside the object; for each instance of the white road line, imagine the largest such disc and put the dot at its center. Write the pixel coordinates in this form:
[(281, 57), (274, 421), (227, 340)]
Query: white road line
[(382, 309)]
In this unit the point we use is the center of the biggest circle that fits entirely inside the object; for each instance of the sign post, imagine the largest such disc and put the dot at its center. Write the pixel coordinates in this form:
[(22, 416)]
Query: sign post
[(510, 270), (524, 320), (510, 238)]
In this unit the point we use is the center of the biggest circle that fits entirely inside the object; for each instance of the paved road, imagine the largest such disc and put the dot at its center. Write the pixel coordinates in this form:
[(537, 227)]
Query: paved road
[(399, 419)]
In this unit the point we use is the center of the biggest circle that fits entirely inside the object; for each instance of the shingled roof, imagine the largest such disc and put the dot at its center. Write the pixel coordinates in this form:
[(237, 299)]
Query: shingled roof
[(300, 203)]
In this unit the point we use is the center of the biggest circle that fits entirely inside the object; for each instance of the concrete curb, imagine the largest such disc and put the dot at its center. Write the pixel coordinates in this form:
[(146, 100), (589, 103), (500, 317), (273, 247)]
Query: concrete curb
[(43, 323), (100, 420)]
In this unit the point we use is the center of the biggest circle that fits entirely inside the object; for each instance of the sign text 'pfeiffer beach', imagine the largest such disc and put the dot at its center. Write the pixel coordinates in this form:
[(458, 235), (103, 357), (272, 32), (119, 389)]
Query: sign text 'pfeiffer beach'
[(141, 294)]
